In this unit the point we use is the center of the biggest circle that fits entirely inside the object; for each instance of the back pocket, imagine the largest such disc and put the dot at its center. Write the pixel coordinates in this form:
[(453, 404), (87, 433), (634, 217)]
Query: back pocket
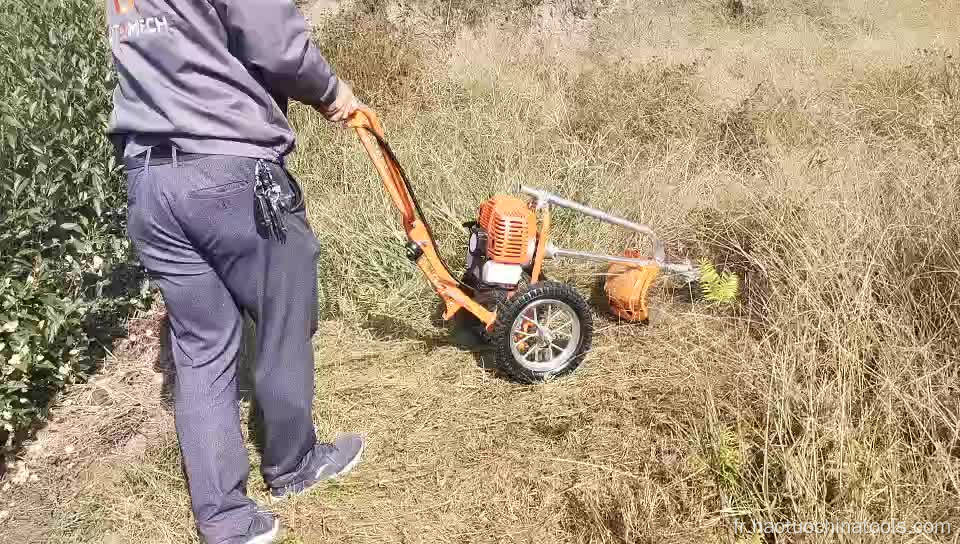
[(220, 191)]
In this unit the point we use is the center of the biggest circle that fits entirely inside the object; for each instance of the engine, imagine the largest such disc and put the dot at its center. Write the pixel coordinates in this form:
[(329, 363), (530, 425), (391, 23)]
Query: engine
[(502, 243)]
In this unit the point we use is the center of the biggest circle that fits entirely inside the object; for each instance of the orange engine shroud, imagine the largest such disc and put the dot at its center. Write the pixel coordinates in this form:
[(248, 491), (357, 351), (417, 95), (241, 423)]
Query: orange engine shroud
[(510, 225)]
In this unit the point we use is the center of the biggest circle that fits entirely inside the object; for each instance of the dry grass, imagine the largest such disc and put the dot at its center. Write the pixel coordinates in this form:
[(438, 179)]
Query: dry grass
[(808, 145)]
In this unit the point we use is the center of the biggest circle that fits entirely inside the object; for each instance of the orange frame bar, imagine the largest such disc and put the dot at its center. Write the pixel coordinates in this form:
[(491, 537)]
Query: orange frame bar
[(365, 121), (541, 246)]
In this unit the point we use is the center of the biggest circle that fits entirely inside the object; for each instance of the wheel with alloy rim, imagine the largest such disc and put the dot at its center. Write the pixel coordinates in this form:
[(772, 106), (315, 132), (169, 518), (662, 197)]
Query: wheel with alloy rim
[(543, 331)]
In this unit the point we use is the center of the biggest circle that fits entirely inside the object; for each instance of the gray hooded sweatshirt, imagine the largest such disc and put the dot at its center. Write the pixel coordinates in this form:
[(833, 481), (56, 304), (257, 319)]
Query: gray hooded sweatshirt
[(212, 76)]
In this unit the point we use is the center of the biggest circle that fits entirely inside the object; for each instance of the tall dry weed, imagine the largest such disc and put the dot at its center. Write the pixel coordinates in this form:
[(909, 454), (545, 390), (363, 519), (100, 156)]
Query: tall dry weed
[(848, 258)]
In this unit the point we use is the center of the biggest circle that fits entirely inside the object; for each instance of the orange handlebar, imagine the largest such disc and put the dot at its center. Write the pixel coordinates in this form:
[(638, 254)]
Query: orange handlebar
[(367, 125), (364, 120)]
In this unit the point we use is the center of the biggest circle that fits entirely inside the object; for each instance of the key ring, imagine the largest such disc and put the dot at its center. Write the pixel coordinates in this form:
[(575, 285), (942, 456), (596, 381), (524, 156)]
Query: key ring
[(270, 202)]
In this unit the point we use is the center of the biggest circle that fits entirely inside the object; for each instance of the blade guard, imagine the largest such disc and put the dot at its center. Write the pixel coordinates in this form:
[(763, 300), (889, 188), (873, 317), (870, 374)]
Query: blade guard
[(627, 286)]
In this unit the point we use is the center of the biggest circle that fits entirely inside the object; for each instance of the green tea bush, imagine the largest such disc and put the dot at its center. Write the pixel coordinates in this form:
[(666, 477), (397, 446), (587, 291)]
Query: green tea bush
[(67, 278)]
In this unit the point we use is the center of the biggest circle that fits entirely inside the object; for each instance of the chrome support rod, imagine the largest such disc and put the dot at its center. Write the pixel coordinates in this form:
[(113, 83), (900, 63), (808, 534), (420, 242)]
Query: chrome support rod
[(546, 198), (685, 269)]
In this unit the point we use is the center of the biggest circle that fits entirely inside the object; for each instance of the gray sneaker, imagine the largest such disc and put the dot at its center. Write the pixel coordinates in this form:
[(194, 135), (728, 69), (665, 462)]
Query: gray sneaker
[(264, 529), (327, 461)]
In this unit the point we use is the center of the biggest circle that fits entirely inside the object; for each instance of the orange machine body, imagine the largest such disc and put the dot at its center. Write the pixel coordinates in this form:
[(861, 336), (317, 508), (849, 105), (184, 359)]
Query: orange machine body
[(511, 226), (512, 239), (627, 286)]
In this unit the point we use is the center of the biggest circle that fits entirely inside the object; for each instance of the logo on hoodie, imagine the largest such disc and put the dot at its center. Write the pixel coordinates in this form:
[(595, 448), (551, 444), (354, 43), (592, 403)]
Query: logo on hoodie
[(133, 26)]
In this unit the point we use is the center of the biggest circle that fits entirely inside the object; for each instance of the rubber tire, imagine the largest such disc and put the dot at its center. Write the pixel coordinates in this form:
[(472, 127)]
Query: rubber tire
[(490, 299), (508, 311)]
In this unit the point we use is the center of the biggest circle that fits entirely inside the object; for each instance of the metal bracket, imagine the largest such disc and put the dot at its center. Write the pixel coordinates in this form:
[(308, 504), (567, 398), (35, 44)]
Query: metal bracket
[(543, 196)]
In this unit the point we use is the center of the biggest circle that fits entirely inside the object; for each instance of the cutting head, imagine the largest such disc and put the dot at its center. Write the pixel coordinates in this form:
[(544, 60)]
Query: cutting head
[(627, 286)]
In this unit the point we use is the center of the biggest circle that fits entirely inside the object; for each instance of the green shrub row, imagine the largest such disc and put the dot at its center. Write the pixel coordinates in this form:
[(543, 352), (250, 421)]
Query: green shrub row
[(68, 279)]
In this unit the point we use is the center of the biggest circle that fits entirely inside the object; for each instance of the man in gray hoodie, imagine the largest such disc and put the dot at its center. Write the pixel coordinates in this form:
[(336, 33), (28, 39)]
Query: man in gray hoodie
[(200, 124)]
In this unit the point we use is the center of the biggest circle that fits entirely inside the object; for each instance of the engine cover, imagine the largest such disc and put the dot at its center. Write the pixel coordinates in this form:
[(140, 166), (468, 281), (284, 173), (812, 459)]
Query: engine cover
[(511, 229)]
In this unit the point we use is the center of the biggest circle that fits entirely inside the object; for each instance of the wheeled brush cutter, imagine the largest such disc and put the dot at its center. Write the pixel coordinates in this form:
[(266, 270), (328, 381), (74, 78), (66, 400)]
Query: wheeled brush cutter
[(540, 329)]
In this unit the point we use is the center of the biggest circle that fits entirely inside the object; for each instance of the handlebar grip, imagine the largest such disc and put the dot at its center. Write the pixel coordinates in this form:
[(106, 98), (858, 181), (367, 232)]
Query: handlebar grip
[(364, 117)]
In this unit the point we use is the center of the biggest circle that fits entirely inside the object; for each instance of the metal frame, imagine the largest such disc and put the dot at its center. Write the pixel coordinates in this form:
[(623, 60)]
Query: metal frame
[(365, 122), (546, 199)]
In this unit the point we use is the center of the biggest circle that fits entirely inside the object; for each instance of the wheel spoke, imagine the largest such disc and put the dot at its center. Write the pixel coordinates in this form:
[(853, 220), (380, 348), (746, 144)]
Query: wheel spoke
[(545, 350), (534, 321), (544, 335), (564, 328), (551, 317), (558, 320)]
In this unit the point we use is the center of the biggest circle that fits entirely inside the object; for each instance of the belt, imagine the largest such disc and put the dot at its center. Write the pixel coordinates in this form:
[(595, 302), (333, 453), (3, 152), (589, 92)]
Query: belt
[(160, 155)]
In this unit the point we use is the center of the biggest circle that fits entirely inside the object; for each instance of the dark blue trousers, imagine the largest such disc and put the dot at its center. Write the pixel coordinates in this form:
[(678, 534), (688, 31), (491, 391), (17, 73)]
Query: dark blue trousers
[(193, 226)]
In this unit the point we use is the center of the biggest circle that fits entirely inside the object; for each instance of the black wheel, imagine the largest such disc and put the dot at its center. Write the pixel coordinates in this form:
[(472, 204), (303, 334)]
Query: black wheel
[(525, 279), (465, 323), (542, 331)]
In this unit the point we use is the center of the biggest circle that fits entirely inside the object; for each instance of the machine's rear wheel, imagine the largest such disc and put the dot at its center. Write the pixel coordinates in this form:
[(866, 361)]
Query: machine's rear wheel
[(542, 331), (490, 299)]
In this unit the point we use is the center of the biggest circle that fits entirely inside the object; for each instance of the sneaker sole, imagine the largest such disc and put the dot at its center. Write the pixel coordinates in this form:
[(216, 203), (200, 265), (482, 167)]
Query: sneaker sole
[(268, 537), (349, 466), (346, 468)]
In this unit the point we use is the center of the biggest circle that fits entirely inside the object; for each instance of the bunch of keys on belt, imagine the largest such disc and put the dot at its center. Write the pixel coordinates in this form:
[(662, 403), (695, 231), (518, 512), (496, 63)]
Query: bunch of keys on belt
[(271, 203)]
